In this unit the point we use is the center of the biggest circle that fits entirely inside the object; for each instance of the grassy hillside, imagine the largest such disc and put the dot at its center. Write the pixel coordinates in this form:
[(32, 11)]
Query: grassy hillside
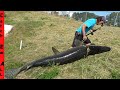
[(40, 31)]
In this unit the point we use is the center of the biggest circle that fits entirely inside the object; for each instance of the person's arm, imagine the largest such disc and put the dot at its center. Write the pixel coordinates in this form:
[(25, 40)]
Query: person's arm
[(83, 31), (93, 30)]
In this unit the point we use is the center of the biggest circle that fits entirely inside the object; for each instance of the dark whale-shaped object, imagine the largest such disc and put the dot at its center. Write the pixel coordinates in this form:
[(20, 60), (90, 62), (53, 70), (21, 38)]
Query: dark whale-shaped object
[(60, 58)]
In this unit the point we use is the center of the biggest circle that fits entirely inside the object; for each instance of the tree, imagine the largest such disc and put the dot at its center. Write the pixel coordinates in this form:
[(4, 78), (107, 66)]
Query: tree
[(83, 16), (113, 18), (76, 16)]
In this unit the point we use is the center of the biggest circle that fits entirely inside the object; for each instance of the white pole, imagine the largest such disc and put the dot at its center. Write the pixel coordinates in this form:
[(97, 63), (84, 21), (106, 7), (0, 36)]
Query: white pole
[(21, 45)]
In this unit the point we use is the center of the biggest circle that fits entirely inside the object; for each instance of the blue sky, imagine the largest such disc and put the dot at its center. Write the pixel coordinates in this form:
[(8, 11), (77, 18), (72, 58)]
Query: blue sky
[(103, 13), (100, 13)]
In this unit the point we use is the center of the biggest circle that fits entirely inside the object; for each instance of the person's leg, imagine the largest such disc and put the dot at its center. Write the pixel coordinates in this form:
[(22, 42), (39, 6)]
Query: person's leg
[(87, 45), (73, 44), (77, 40), (87, 42)]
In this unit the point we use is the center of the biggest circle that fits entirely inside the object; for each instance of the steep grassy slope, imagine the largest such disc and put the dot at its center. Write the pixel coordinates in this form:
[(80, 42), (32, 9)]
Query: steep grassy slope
[(40, 31)]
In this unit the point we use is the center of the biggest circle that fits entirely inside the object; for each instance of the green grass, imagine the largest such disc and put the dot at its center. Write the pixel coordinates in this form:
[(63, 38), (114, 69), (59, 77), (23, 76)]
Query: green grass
[(48, 74), (115, 74), (40, 31)]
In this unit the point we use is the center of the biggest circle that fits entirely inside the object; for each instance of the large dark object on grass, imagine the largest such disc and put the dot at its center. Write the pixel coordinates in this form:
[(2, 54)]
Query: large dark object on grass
[(60, 58)]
